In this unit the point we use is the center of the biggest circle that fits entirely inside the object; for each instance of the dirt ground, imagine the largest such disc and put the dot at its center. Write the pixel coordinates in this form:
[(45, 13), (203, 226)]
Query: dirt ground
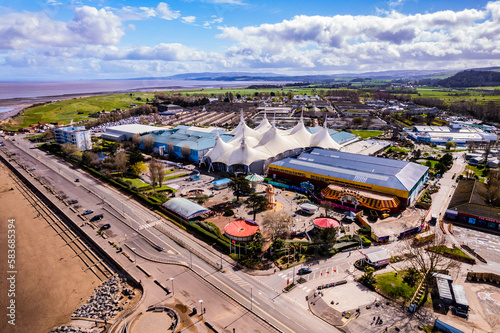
[(50, 283)]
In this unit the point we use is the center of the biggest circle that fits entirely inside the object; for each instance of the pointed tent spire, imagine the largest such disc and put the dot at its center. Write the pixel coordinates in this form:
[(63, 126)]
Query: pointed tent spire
[(274, 119), (265, 114), (326, 119), (242, 118), (302, 116)]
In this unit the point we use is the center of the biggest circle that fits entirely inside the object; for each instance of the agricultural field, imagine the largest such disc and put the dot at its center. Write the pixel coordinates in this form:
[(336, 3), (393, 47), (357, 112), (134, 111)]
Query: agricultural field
[(454, 95)]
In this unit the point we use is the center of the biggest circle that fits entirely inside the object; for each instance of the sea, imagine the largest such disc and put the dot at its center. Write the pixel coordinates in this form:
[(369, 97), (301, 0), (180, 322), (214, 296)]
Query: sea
[(34, 90)]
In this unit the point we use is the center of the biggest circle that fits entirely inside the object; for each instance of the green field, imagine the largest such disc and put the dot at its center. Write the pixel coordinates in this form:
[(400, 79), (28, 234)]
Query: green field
[(366, 134), (66, 110), (394, 286), (135, 182), (454, 95), (424, 162)]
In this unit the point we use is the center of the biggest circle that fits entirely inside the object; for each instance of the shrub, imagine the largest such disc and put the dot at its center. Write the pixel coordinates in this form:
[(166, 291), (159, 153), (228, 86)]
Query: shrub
[(228, 212)]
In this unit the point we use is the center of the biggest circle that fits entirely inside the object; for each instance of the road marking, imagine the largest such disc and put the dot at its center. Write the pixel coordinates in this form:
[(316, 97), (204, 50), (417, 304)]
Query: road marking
[(244, 297)]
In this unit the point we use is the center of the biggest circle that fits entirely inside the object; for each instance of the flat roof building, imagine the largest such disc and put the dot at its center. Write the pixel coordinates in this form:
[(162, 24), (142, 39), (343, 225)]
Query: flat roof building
[(77, 136), (456, 132), (383, 175), (125, 132)]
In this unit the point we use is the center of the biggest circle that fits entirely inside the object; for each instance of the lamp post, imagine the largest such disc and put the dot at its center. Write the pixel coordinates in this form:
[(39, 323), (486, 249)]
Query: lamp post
[(201, 307), (172, 279)]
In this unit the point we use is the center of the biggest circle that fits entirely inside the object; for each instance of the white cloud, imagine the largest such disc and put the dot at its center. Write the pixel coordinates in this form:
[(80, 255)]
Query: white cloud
[(129, 13), (20, 31), (353, 42), (188, 19)]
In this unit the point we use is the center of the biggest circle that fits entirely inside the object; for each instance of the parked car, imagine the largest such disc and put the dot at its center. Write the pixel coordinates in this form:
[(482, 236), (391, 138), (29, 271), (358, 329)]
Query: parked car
[(305, 270), (87, 212), (106, 226), (71, 202), (97, 217), (77, 180), (31, 169)]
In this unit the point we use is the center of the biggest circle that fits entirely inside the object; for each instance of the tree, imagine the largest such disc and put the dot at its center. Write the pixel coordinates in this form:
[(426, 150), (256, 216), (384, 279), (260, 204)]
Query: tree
[(121, 161), (417, 153), (450, 144), (89, 158), (138, 168), (368, 279), (440, 168), (326, 205), (68, 148), (256, 203), (136, 140), (201, 198), (186, 151), (276, 223), (492, 195), (255, 246), (326, 237), (143, 120), (161, 172), (148, 142), (357, 121), (135, 156), (153, 173), (427, 262), (239, 185), (170, 148), (412, 277)]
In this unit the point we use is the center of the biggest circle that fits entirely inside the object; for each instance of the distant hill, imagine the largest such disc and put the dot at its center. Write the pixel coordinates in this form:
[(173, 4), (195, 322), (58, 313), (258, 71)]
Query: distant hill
[(471, 78)]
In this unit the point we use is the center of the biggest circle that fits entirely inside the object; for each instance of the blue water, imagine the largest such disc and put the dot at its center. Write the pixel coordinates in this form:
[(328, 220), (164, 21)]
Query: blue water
[(5, 109), (31, 90)]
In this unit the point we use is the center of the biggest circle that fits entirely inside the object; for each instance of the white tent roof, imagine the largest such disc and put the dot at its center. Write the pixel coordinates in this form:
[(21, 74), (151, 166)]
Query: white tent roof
[(243, 154), (264, 125), (301, 134), (220, 148), (323, 139), (274, 142)]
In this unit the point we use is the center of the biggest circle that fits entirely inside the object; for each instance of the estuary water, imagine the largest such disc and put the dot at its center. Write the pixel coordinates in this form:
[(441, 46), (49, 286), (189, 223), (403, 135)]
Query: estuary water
[(34, 90)]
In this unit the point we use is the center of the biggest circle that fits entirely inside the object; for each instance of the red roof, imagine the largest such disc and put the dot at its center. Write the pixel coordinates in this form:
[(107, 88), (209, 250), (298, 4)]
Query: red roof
[(241, 228), (325, 222)]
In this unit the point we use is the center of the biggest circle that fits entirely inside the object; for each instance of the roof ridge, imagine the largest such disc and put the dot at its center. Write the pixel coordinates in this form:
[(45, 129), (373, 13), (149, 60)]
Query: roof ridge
[(472, 192)]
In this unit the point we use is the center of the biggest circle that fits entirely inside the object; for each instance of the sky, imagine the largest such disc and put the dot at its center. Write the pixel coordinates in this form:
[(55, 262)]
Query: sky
[(114, 39)]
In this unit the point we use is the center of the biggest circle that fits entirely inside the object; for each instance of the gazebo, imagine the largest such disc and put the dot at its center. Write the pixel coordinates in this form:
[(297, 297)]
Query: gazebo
[(254, 179)]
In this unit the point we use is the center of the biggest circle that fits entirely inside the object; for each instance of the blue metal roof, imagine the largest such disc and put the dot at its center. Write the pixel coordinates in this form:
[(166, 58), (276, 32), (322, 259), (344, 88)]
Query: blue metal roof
[(221, 181), (383, 172), (185, 208)]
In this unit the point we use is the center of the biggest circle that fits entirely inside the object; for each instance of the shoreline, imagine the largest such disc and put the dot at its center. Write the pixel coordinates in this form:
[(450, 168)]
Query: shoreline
[(21, 103)]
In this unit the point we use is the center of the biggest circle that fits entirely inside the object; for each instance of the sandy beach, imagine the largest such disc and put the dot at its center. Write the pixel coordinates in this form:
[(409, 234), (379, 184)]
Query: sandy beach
[(50, 282)]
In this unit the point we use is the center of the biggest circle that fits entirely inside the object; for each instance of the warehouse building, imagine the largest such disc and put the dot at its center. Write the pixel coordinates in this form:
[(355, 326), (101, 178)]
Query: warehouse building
[(459, 133), (125, 132), (355, 180), (469, 207)]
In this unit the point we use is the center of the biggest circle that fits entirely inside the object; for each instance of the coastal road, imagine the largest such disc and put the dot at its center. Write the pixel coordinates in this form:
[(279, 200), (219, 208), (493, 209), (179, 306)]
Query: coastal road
[(129, 220)]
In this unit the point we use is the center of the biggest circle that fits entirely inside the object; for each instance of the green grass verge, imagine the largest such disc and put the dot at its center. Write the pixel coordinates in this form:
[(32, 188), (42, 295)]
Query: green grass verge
[(136, 182), (453, 252), (394, 286), (366, 134)]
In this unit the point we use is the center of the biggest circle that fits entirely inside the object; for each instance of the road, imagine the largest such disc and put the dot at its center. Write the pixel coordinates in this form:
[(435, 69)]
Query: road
[(130, 222)]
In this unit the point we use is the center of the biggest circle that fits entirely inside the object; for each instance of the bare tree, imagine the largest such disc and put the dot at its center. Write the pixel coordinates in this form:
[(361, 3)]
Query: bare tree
[(428, 262), (186, 151), (153, 173), (160, 172), (276, 223), (136, 140), (148, 143), (170, 148), (143, 120), (121, 161), (68, 148)]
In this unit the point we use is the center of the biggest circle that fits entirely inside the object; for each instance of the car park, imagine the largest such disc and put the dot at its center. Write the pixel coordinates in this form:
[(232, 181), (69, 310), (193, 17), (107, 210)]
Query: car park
[(87, 212), (97, 217), (71, 202), (106, 226), (305, 270)]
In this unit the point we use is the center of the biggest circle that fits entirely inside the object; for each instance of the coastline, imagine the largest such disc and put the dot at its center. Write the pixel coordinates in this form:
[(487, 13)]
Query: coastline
[(20, 103)]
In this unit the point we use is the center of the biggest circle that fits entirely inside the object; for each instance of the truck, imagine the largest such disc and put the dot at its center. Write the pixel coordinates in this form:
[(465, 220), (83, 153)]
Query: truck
[(424, 237)]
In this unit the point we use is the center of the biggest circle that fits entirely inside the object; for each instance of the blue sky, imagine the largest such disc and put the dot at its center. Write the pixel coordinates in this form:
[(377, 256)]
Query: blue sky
[(102, 39)]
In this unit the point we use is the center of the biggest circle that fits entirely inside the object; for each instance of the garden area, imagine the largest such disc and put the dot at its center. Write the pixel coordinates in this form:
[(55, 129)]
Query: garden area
[(453, 253), (395, 284), (366, 134)]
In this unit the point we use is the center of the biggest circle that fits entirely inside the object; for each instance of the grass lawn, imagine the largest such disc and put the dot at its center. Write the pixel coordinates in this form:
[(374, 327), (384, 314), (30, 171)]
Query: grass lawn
[(136, 182), (399, 150), (66, 110), (424, 162), (366, 134), (455, 251), (394, 286), (478, 172)]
